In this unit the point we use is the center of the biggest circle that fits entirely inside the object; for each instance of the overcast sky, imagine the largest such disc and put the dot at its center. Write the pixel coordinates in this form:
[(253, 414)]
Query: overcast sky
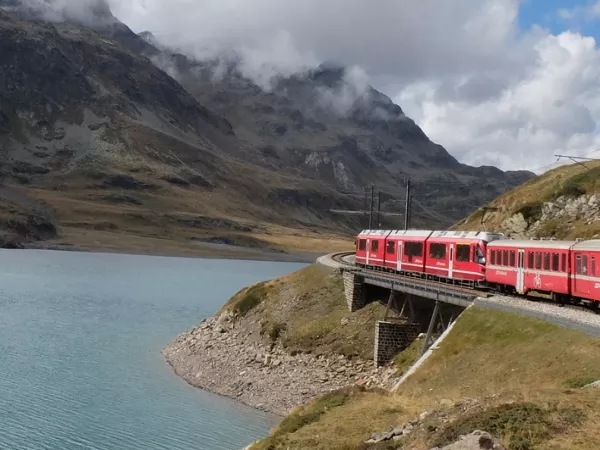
[(502, 82)]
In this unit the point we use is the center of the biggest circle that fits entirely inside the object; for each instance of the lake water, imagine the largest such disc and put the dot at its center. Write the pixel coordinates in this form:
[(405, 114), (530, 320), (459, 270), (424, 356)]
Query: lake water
[(80, 342)]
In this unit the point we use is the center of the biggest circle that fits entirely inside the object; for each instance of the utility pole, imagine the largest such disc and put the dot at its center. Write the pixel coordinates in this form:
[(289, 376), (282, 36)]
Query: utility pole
[(407, 205), (371, 209), (366, 200), (378, 208)]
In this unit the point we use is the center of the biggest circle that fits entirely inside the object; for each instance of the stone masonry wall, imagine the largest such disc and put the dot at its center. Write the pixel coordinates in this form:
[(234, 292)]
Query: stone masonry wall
[(354, 291), (391, 338)]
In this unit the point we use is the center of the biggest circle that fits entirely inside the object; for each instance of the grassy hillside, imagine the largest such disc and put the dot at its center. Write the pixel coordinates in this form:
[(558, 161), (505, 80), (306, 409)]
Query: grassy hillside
[(568, 188), (518, 378), (306, 311)]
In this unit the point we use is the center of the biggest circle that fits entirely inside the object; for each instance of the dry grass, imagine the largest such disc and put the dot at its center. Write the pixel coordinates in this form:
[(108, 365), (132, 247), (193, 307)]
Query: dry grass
[(156, 226), (305, 311), (341, 425), (505, 354), (498, 358), (571, 180)]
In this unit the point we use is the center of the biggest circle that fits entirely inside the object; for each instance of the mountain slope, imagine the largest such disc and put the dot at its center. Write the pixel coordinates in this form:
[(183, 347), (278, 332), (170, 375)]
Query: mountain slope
[(563, 203), (118, 150), (115, 145), (348, 136)]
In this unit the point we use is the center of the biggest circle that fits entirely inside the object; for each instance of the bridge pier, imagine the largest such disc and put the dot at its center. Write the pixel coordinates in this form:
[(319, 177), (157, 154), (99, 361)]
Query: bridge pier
[(353, 289), (419, 306), (391, 337)]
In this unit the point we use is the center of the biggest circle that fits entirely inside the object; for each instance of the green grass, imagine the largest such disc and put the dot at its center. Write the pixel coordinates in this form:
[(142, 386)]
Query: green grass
[(405, 359), (247, 299), (579, 382), (580, 184)]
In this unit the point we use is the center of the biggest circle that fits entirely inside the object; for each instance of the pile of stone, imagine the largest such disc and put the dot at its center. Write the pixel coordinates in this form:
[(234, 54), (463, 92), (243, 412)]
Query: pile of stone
[(236, 361)]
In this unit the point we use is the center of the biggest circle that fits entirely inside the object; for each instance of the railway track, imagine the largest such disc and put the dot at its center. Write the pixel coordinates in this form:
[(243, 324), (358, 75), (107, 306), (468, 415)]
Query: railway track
[(341, 258)]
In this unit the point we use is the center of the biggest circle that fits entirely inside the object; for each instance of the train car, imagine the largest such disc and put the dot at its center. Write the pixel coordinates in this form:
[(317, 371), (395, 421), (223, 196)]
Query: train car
[(524, 266), (405, 251), (585, 275), (370, 248), (458, 255)]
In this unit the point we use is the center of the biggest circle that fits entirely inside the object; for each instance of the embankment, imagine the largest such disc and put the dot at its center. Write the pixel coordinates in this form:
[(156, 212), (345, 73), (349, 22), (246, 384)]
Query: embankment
[(521, 379), (278, 344)]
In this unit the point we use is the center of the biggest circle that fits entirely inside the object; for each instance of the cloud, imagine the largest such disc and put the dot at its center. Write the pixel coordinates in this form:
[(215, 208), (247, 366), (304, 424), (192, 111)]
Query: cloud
[(88, 12), (488, 91), (580, 14)]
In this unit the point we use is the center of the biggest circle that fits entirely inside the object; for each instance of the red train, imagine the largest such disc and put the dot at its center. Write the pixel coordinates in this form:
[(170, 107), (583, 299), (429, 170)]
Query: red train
[(566, 270)]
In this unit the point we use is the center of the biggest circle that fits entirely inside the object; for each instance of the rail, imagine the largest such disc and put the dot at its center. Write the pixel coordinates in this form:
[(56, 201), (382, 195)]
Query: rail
[(431, 289)]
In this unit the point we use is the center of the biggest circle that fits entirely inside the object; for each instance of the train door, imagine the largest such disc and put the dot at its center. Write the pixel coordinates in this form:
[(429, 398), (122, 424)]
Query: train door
[(521, 271), (451, 261), (400, 251), (581, 285)]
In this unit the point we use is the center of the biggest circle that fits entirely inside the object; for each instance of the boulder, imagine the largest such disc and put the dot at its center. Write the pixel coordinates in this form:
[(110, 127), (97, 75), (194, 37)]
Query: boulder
[(477, 440)]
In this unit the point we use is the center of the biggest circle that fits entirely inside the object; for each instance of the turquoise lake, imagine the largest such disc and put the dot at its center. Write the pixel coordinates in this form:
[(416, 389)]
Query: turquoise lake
[(81, 336)]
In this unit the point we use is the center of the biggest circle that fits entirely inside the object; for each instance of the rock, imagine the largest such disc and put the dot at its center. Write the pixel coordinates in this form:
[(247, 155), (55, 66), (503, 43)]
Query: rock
[(380, 437), (276, 363), (477, 440), (595, 384), (445, 403), (423, 415), (268, 359)]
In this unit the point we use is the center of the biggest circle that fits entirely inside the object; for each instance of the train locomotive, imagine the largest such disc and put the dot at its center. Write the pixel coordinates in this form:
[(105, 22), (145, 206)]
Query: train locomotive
[(565, 270)]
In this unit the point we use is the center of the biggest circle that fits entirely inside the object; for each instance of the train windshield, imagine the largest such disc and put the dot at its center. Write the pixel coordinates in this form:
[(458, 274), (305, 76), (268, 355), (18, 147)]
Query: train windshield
[(480, 255)]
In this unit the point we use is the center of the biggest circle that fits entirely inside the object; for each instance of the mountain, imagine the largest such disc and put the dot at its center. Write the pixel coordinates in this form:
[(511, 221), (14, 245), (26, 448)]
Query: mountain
[(563, 203), (324, 126), (112, 149)]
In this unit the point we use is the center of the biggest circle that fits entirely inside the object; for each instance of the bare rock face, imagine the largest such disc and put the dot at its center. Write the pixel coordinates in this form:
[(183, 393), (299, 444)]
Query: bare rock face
[(477, 440)]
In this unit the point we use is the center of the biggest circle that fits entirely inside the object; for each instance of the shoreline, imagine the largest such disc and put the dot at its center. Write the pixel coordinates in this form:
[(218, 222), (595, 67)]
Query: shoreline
[(208, 251), (235, 362)]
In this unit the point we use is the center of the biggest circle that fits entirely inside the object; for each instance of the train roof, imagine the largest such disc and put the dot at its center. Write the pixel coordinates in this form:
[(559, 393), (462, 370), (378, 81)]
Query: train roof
[(482, 235), (557, 245), (593, 244), (380, 233), (411, 233)]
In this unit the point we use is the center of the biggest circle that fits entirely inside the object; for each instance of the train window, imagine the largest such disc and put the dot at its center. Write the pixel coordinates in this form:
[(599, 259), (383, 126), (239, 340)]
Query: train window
[(538, 260), (578, 264), (391, 248), (584, 264), (375, 246), (564, 263), (413, 249), (362, 244), (513, 260), (593, 268), (530, 262), (555, 261), (463, 253), (546, 261), (505, 257), (493, 257), (437, 251)]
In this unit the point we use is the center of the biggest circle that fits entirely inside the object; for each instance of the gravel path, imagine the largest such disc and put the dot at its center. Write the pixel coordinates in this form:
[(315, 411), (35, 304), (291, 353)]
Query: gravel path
[(568, 317)]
